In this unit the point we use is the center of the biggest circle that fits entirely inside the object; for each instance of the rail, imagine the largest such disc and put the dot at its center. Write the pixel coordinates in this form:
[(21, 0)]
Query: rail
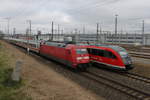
[(133, 92)]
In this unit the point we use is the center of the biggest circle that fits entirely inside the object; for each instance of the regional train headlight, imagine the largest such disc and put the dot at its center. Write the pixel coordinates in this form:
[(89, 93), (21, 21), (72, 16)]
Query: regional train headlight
[(124, 60), (127, 60)]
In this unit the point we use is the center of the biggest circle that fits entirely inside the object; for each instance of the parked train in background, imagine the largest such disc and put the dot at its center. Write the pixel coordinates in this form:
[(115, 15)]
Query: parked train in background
[(114, 57)]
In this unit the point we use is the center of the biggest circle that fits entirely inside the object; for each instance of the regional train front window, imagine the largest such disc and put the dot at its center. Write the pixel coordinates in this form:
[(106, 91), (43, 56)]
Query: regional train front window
[(81, 51), (118, 49), (123, 54)]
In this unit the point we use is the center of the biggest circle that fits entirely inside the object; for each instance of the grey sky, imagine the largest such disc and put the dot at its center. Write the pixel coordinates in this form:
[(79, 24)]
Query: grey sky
[(71, 14)]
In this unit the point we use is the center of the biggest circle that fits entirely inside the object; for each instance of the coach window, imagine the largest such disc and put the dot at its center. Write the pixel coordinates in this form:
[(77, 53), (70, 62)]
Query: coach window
[(101, 53), (81, 51), (94, 52), (109, 54)]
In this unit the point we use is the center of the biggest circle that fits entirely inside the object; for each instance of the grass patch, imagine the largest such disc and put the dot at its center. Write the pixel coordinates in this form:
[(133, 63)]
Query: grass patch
[(9, 89)]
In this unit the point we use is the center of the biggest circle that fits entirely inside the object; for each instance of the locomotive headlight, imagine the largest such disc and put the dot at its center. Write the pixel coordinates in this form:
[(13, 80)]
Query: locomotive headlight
[(79, 58), (86, 57)]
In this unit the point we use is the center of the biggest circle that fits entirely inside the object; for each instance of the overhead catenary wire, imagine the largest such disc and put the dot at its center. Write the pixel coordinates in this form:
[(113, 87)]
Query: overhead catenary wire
[(78, 9)]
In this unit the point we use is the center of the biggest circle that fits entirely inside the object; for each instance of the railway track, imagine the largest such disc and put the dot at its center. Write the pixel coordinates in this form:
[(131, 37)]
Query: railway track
[(140, 55), (137, 77), (133, 92), (134, 76)]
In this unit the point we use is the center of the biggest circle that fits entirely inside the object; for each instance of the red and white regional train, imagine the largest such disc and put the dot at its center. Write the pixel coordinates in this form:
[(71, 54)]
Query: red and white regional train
[(81, 55), (112, 56)]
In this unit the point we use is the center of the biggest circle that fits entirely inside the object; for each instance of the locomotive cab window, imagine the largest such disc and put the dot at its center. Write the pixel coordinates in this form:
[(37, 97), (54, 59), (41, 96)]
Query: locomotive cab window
[(81, 51)]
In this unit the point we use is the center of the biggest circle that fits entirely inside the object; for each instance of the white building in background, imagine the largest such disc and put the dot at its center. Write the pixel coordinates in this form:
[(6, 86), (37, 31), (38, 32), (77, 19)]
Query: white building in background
[(102, 38)]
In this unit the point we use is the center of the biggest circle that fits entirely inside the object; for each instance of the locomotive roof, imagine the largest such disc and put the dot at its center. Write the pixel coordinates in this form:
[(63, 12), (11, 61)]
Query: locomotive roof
[(55, 44)]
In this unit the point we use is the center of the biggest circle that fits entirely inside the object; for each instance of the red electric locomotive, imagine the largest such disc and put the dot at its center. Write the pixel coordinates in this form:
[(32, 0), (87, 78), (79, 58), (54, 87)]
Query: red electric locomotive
[(112, 56), (75, 56), (72, 55)]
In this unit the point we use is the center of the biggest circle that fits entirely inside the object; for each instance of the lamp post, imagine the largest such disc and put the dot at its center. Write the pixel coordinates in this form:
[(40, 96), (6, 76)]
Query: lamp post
[(8, 22), (116, 25)]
